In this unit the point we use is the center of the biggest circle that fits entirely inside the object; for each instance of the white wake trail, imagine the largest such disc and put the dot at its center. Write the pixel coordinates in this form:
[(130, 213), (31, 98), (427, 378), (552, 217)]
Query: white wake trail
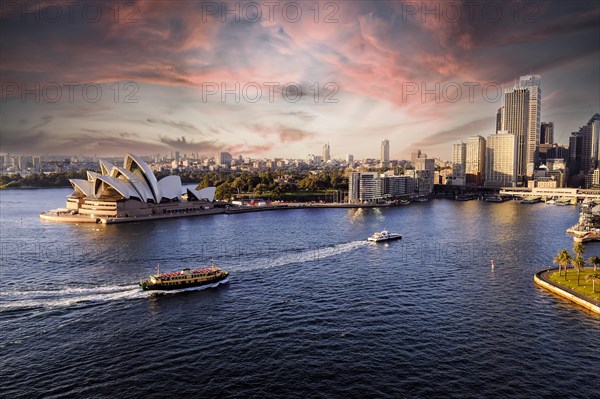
[(308, 255)]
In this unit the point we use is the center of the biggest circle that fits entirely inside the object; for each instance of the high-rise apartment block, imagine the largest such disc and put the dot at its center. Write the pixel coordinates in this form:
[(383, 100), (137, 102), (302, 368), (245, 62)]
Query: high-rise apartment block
[(326, 153), (522, 115), (459, 160), (475, 161), (501, 156), (547, 133), (385, 154)]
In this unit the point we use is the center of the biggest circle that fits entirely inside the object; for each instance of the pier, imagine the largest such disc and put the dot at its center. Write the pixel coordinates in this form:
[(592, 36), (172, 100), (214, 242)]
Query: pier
[(62, 215), (566, 193)]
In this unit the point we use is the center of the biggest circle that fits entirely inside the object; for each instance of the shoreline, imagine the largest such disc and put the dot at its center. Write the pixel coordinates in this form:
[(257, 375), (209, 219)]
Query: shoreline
[(541, 279), (53, 216)]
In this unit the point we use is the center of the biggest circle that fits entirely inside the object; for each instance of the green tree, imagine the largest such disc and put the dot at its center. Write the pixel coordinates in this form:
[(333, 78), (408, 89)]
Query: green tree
[(594, 260), (578, 263), (224, 192), (563, 258), (578, 249), (594, 277)]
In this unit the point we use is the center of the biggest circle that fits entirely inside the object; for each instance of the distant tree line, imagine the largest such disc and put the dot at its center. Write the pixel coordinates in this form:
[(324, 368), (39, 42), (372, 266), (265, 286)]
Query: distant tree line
[(273, 184), (57, 179)]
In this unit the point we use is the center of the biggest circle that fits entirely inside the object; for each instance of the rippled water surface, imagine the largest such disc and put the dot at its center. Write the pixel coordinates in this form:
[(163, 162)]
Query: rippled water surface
[(310, 309)]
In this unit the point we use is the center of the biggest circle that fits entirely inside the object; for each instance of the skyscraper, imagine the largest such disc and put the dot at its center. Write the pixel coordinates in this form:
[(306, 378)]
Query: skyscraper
[(500, 165), (547, 133), (475, 161), (499, 119), (459, 159), (424, 172), (534, 84), (223, 158), (584, 149), (385, 154), (326, 154), (522, 113), (546, 140), (516, 122)]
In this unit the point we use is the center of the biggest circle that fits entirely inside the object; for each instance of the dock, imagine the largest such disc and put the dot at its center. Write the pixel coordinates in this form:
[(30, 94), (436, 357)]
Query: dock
[(61, 215)]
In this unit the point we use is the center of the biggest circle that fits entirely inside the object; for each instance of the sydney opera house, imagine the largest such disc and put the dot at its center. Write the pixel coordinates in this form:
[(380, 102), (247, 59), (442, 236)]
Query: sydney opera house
[(130, 192)]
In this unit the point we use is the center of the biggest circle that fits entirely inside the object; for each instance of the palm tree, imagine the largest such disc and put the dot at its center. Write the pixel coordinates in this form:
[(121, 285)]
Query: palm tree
[(578, 249), (563, 258), (593, 277), (595, 261), (578, 264)]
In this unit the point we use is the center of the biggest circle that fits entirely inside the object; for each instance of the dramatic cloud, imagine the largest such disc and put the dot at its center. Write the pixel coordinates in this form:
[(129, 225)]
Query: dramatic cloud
[(185, 126), (352, 74), (183, 144)]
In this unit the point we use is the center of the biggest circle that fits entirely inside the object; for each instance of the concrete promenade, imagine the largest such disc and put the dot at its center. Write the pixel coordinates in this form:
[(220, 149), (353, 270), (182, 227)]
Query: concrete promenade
[(541, 279), (69, 218)]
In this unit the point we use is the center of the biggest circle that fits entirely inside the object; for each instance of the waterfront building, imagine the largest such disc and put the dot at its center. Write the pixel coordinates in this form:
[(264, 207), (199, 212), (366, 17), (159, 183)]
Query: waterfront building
[(395, 186), (385, 154), (475, 161), (424, 174), (132, 191), (584, 151), (501, 160), (373, 187), (543, 182), (365, 187), (558, 175), (459, 160)]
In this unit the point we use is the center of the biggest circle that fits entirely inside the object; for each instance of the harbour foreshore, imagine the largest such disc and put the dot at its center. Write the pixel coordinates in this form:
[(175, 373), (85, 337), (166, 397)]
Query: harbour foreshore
[(57, 216), (541, 279)]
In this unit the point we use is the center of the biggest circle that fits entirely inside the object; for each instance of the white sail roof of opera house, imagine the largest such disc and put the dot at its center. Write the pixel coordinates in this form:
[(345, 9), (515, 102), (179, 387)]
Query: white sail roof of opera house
[(134, 180), (207, 193)]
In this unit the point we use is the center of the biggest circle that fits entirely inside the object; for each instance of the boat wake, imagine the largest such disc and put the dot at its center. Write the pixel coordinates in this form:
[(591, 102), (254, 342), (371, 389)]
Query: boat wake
[(81, 296), (301, 256), (69, 297)]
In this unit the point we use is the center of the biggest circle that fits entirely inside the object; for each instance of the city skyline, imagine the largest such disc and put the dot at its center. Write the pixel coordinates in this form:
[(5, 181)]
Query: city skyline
[(160, 69)]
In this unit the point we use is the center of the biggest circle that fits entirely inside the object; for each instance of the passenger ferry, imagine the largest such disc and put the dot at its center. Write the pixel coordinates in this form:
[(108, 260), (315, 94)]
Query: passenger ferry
[(184, 278), (384, 236)]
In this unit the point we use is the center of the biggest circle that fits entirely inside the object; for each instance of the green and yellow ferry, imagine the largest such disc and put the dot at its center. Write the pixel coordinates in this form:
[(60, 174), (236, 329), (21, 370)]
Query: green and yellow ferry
[(184, 279)]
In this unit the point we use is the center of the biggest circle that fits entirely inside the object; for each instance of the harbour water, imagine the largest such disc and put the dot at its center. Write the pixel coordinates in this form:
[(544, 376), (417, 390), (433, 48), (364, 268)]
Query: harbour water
[(310, 309)]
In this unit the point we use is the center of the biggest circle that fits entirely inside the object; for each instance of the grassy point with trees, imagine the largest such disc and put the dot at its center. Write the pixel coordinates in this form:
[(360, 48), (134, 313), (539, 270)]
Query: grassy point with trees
[(586, 279)]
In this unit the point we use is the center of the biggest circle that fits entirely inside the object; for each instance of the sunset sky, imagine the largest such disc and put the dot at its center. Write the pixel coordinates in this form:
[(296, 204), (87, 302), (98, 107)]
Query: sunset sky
[(361, 68)]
